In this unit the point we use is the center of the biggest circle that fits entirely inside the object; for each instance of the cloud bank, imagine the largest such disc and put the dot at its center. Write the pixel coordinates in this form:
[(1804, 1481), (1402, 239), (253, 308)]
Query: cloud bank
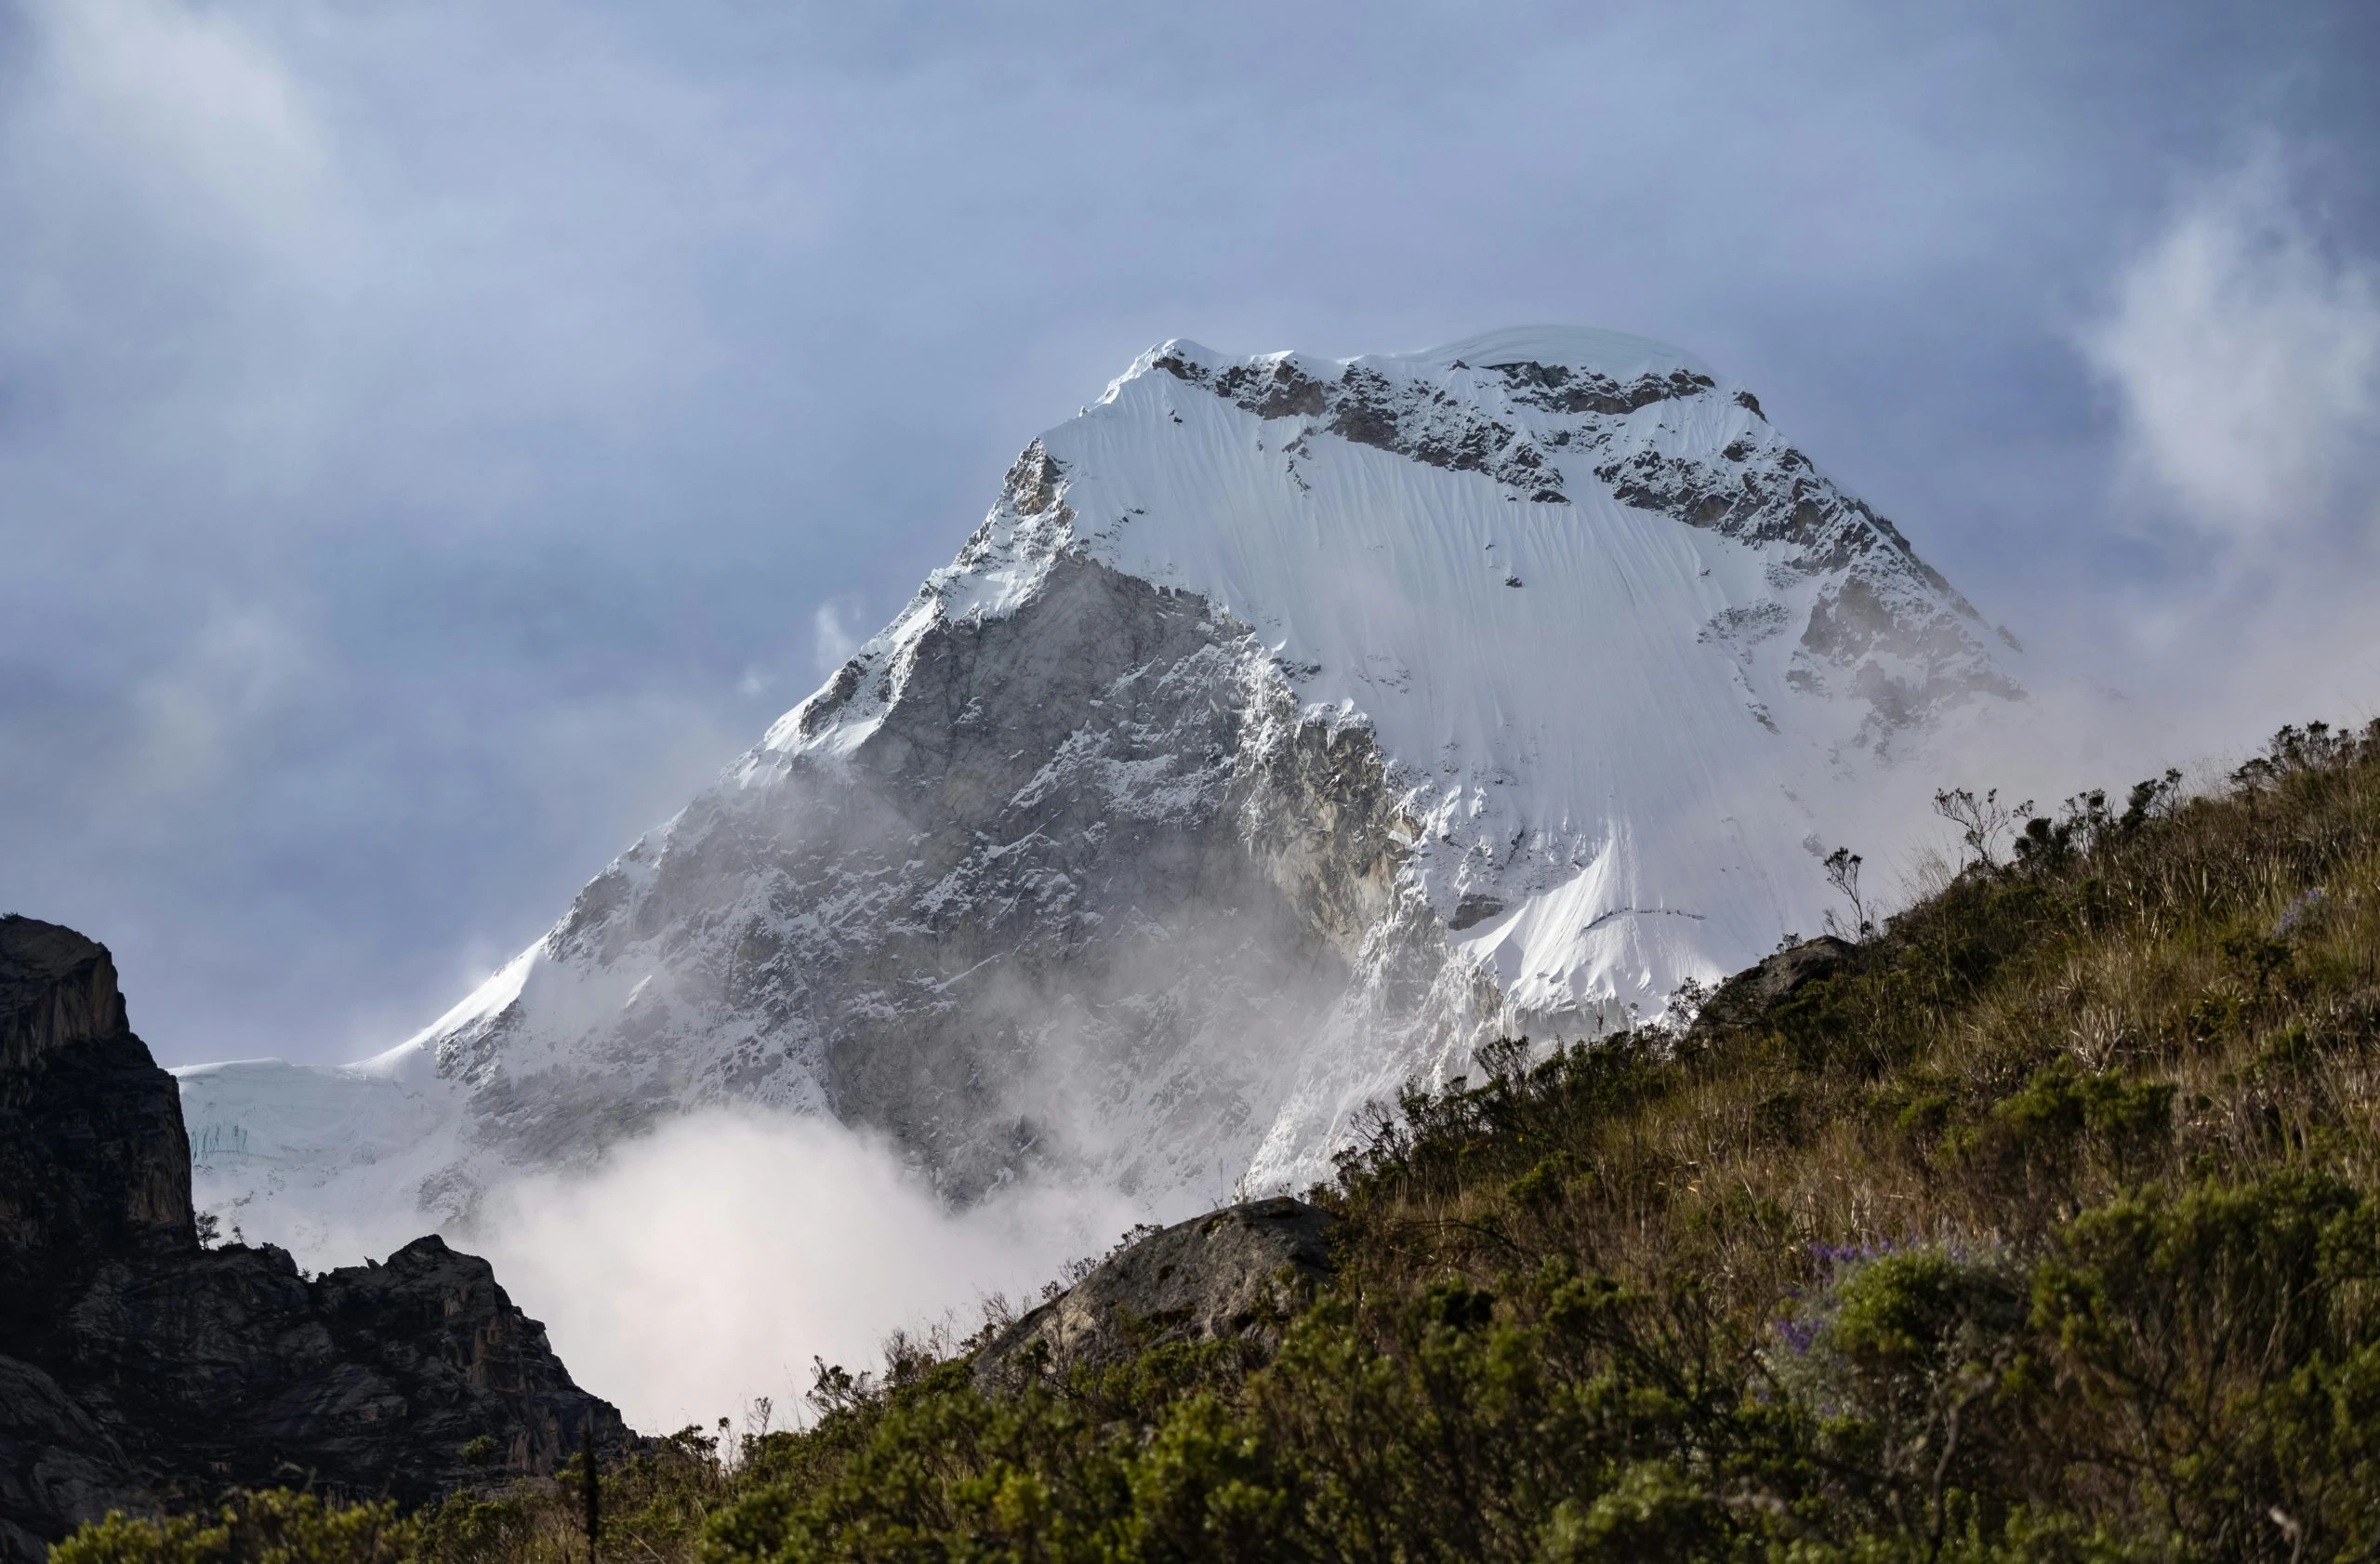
[(707, 1263)]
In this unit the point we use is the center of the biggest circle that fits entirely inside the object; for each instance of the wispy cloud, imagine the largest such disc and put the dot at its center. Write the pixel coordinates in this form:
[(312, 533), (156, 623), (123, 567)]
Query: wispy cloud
[(213, 696), (835, 629), (2245, 353), (2239, 346), (192, 108)]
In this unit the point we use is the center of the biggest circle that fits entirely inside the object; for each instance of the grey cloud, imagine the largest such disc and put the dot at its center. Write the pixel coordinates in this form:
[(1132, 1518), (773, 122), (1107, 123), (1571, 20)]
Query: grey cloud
[(2246, 359), (445, 422)]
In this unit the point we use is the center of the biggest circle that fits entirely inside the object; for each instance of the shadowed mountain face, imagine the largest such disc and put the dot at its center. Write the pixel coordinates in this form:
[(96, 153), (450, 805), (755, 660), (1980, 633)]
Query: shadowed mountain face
[(138, 1369), (1068, 903)]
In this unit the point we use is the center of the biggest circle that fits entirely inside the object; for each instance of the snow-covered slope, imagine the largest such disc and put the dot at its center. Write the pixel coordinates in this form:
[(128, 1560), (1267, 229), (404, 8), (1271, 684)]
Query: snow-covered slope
[(327, 1162), (1288, 726)]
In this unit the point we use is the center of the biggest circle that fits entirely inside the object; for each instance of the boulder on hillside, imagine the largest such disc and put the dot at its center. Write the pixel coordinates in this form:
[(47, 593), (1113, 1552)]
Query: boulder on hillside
[(1238, 1272), (1749, 995)]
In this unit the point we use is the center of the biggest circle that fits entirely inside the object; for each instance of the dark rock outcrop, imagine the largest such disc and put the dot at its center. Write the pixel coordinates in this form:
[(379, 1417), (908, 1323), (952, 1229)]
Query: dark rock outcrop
[(92, 1160), (1749, 995), (1238, 1272), (138, 1369), (1367, 408)]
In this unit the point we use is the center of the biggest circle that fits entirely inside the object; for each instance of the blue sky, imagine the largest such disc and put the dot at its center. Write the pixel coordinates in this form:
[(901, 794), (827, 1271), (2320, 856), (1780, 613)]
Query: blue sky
[(434, 439)]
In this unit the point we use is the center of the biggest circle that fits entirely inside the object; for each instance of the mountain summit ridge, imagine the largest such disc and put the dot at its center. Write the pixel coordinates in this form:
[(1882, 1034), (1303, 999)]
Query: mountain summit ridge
[(1286, 727)]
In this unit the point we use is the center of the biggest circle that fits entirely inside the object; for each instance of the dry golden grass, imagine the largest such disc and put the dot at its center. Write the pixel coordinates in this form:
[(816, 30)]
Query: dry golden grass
[(1862, 1116)]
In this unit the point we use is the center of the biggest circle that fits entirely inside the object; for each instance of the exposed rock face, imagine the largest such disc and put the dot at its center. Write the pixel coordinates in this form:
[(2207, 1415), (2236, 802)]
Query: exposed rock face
[(1883, 625), (1752, 993), (137, 1369), (59, 1466), (1088, 870), (92, 1159), (1240, 1272), (234, 1368)]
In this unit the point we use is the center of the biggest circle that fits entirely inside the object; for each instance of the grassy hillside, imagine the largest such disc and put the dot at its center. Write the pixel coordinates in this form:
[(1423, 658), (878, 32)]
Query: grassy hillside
[(2041, 1224)]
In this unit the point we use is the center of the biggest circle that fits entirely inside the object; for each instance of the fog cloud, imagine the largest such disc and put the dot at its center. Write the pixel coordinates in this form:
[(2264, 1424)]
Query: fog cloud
[(710, 1261)]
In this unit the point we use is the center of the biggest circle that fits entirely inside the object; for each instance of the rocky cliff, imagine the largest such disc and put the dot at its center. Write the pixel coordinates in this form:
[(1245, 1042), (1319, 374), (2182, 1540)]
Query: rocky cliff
[(139, 1368), (93, 1163)]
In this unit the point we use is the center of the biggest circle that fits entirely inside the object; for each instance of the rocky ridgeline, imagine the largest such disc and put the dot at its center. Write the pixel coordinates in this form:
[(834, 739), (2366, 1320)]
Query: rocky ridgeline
[(140, 1369)]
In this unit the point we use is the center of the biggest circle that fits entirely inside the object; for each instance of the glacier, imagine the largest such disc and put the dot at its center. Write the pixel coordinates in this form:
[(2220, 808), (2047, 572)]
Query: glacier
[(1288, 728)]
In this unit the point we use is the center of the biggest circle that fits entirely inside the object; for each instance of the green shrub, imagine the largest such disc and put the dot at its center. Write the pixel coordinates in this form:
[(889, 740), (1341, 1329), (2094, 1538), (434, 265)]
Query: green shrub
[(273, 1527)]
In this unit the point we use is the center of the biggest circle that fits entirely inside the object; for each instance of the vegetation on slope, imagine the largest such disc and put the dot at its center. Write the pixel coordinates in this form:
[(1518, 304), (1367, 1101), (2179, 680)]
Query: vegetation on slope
[(2042, 1224)]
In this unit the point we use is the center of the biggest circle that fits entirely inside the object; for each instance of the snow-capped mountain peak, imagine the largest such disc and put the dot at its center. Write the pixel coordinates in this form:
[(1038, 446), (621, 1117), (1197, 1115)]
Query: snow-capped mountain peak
[(1286, 727)]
